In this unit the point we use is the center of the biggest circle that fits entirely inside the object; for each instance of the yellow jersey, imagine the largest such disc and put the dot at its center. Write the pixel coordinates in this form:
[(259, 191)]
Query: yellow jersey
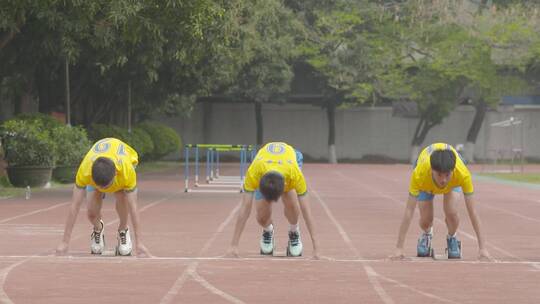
[(278, 157), (422, 179), (124, 157)]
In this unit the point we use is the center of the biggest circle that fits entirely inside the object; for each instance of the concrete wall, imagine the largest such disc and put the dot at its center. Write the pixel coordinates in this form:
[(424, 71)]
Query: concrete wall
[(359, 131)]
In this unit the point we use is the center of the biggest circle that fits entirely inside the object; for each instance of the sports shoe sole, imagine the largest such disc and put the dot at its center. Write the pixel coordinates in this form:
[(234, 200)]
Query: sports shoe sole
[(117, 252), (455, 257), (269, 253), (290, 255)]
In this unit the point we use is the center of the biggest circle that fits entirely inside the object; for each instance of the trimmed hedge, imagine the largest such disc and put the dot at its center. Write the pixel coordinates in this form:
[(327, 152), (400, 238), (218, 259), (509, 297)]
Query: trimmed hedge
[(141, 141), (138, 139), (100, 131), (165, 139)]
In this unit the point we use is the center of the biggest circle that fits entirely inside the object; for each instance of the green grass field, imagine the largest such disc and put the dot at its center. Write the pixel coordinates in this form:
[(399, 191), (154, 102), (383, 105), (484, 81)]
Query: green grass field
[(532, 178)]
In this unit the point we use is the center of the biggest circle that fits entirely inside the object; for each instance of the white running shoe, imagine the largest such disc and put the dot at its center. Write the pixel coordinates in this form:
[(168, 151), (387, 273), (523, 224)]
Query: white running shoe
[(295, 244), (97, 243), (267, 242), (124, 243)]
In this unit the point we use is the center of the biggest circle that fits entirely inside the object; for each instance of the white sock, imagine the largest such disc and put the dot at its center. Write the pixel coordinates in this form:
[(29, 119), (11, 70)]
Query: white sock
[(429, 231), (452, 235), (294, 227), (269, 228)]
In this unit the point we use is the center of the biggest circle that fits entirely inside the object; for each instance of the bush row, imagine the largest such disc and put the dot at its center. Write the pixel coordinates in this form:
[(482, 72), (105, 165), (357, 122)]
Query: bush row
[(152, 141), (42, 141)]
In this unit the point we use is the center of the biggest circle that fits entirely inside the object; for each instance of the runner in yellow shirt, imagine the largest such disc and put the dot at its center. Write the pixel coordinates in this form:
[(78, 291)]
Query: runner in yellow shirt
[(109, 167), (439, 169), (276, 172)]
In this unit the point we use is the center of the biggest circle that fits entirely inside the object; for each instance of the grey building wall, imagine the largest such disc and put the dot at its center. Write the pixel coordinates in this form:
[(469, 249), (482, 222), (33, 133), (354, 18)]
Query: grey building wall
[(360, 131)]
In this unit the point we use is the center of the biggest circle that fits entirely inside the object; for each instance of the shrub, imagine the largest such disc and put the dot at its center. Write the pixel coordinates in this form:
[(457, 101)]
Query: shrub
[(27, 143), (138, 139), (72, 144), (141, 141), (165, 139), (48, 122), (100, 131)]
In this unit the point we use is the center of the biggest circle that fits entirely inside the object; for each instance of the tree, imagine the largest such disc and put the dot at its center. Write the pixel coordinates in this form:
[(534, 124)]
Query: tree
[(269, 34), (345, 52), (455, 40), (489, 49), (167, 50)]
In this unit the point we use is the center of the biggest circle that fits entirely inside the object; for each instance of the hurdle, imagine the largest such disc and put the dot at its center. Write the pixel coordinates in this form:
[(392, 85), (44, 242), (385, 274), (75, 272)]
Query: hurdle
[(506, 142), (213, 178)]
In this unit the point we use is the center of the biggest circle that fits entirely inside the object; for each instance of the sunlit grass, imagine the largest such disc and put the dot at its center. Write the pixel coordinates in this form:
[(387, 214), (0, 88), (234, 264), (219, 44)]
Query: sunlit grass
[(533, 178)]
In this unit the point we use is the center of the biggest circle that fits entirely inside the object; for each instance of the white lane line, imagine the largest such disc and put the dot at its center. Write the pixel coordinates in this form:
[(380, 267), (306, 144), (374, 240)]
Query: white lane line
[(370, 271), (215, 290), (512, 213), (4, 298), (470, 236), (32, 212), (192, 267), (110, 258), (371, 274), (118, 259), (426, 294)]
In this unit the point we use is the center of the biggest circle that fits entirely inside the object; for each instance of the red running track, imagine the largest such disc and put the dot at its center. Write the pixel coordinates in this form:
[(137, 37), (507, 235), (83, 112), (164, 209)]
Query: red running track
[(357, 209)]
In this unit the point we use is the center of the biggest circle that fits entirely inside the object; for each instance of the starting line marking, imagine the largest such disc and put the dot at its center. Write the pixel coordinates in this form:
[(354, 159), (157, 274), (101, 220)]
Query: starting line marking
[(109, 255), (212, 191)]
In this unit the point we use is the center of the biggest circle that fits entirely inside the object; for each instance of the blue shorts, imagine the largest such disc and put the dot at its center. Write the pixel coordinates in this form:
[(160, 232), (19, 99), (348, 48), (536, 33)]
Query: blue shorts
[(427, 196), (299, 160), (92, 189)]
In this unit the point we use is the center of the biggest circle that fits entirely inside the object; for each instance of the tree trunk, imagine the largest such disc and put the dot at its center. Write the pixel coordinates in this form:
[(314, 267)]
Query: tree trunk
[(259, 122), (331, 115), (25, 105), (422, 129), (6, 38), (474, 130), (415, 151)]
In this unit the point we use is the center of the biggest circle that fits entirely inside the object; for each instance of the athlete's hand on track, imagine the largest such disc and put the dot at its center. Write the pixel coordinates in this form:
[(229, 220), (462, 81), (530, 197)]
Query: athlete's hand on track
[(398, 255), (483, 255), (143, 252), (232, 252), (62, 248)]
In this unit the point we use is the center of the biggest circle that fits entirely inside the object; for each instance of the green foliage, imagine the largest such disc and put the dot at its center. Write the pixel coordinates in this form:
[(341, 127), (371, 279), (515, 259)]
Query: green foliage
[(164, 49), (100, 131), (27, 143), (72, 144), (171, 52), (268, 43), (141, 141), (165, 139), (47, 121)]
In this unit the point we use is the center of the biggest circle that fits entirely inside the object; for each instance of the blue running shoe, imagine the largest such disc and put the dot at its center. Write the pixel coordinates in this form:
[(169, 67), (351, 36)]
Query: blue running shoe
[(423, 249), (453, 247)]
